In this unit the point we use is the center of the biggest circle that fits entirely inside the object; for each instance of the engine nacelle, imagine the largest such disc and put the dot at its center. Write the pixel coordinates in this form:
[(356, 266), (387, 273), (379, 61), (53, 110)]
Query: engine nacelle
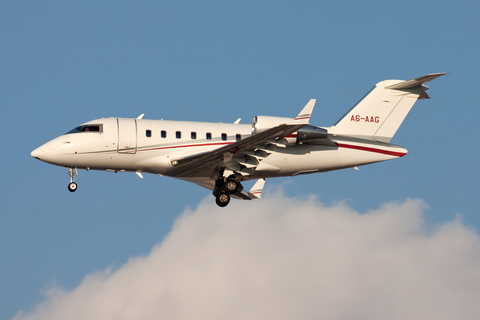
[(309, 132), (262, 123)]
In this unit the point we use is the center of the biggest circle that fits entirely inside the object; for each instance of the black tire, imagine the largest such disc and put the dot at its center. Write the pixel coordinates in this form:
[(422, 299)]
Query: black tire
[(72, 187), (230, 186), (222, 199)]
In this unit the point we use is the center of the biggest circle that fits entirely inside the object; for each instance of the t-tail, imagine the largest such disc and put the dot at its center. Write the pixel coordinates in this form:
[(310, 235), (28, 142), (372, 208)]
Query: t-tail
[(381, 112)]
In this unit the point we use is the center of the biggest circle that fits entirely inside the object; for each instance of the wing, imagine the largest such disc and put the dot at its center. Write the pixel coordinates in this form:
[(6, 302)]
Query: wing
[(224, 158), (190, 166)]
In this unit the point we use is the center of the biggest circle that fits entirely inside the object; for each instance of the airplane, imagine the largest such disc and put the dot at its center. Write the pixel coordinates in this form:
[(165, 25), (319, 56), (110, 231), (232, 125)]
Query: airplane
[(220, 156)]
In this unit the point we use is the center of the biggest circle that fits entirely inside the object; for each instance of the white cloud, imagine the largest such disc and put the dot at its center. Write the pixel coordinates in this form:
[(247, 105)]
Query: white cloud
[(283, 258)]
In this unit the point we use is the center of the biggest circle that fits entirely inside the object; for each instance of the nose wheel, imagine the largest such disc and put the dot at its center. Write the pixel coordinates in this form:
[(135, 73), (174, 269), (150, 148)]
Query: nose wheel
[(72, 173), (72, 186)]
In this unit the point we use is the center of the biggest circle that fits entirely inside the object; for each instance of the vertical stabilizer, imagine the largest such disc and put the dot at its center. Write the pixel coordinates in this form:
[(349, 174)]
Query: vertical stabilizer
[(381, 112)]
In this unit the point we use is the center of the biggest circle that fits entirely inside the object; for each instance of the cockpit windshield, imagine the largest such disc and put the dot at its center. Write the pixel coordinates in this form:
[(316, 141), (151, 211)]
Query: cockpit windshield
[(87, 128)]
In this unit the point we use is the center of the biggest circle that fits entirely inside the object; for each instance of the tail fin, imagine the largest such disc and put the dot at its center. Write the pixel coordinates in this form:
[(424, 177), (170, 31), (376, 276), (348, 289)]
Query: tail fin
[(381, 112)]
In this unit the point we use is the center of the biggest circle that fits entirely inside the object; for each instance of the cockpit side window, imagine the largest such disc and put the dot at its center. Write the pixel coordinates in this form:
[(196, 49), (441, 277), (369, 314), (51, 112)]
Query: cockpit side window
[(87, 128)]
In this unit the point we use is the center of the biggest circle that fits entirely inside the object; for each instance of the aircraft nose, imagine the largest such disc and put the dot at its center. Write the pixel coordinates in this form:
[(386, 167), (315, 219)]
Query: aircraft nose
[(46, 152), (37, 152)]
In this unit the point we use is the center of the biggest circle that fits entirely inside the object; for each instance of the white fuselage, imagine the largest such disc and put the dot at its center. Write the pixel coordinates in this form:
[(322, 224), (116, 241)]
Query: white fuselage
[(141, 145)]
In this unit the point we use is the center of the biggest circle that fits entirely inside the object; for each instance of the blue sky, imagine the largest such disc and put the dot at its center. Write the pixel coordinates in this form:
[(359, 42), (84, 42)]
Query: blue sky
[(65, 63)]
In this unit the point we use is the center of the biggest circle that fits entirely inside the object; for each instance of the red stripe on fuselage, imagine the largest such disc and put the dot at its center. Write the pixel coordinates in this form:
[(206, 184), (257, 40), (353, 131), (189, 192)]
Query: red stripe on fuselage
[(390, 153), (340, 145)]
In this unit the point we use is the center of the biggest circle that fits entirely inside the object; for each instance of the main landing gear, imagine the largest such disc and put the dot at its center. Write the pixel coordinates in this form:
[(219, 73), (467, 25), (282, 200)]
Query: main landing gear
[(224, 188), (72, 186), (222, 199)]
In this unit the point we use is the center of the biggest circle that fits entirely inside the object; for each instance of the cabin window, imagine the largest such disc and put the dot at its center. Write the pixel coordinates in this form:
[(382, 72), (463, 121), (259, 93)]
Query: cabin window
[(224, 136), (163, 134), (194, 135), (178, 134), (238, 137), (148, 133), (87, 128), (209, 136)]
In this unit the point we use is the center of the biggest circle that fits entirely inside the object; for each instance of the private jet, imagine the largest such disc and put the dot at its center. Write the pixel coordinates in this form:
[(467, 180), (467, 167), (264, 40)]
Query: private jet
[(220, 156)]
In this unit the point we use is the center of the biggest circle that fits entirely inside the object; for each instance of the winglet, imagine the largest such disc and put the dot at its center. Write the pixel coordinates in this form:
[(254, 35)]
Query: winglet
[(304, 115), (256, 191)]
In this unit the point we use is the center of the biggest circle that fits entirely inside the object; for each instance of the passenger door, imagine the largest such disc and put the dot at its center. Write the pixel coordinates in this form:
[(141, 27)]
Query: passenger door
[(127, 135)]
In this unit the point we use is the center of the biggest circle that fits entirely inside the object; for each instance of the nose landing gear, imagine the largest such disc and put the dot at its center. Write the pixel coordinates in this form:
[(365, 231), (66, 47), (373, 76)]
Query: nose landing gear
[(72, 186)]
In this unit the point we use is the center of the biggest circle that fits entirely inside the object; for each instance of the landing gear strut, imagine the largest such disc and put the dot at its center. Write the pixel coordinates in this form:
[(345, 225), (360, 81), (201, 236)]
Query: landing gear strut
[(72, 186)]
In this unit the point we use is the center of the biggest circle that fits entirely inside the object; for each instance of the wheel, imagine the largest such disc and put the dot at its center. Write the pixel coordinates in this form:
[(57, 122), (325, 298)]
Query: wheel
[(230, 186), (222, 199), (72, 186)]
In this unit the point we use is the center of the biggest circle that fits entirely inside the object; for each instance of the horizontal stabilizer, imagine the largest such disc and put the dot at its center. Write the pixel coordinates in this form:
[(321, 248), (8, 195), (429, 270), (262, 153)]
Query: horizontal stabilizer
[(415, 82)]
